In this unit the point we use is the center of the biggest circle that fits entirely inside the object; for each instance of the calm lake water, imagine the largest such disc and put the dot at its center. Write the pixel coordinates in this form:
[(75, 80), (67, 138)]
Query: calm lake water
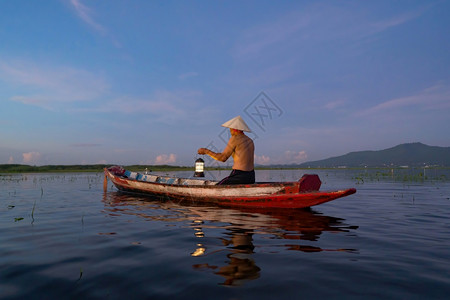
[(62, 237)]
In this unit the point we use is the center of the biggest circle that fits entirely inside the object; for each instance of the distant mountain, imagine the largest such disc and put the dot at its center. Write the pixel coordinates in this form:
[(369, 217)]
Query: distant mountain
[(412, 154)]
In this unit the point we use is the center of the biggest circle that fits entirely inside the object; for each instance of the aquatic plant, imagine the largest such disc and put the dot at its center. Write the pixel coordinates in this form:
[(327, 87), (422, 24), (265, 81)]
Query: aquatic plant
[(399, 174), (81, 274)]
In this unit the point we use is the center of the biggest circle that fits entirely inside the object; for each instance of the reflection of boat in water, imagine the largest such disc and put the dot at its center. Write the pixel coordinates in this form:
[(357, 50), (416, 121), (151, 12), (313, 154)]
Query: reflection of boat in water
[(298, 194), (293, 229)]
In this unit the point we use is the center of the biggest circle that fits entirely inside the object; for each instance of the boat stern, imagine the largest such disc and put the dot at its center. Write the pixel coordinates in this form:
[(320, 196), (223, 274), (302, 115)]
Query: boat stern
[(309, 183)]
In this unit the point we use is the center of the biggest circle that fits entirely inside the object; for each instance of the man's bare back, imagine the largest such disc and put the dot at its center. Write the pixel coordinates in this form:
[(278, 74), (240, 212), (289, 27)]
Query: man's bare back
[(240, 147)]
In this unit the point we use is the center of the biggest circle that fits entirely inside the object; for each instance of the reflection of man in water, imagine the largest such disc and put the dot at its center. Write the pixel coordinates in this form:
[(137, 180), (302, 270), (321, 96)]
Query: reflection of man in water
[(241, 266)]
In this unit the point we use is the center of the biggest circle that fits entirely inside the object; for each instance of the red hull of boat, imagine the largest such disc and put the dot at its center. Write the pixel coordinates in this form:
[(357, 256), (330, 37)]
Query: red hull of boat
[(264, 195)]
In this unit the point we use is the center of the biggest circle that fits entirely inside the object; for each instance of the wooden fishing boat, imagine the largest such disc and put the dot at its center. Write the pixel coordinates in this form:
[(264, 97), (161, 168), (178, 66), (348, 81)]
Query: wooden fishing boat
[(298, 194)]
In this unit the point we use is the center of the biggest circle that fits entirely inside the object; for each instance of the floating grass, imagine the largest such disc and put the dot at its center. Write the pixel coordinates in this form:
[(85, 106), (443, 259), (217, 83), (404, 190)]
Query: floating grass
[(32, 211), (81, 274), (405, 175)]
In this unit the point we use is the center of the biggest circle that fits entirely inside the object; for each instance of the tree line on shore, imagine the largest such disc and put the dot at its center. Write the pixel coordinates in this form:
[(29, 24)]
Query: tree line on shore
[(18, 168)]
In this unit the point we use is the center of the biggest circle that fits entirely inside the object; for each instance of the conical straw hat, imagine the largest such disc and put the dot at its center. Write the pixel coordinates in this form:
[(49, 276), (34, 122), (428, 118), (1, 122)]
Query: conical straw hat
[(237, 123)]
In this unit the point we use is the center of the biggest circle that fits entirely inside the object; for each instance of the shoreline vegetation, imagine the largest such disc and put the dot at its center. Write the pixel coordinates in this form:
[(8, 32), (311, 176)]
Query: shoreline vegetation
[(19, 168), (359, 174), (412, 156)]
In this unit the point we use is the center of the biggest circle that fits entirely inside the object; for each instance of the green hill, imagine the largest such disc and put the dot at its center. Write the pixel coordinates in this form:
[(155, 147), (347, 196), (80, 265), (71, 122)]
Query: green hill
[(412, 154)]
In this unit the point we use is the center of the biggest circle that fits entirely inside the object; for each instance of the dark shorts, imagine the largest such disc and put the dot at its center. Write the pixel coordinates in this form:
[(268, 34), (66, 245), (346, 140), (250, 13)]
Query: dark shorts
[(239, 177)]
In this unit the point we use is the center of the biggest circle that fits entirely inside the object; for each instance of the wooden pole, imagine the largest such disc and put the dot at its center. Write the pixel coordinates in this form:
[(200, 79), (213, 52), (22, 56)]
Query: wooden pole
[(105, 183)]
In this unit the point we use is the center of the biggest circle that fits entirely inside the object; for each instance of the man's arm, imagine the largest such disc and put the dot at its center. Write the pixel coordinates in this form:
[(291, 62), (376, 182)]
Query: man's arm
[(220, 156)]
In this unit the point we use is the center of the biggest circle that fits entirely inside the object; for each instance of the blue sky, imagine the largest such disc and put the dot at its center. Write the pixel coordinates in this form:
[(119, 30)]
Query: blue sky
[(149, 82)]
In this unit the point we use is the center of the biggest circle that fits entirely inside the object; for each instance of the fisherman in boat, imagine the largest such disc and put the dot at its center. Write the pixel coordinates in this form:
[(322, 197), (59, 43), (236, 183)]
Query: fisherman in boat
[(241, 148)]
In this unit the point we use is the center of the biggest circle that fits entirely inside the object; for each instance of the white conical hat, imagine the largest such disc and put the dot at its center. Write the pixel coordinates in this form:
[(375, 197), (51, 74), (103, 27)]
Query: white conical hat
[(237, 123)]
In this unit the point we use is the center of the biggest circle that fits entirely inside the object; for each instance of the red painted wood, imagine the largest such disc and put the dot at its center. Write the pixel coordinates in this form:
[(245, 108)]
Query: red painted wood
[(268, 195)]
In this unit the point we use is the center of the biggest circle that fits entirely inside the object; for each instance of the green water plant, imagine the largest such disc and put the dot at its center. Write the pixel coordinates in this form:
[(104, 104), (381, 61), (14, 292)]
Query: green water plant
[(400, 175), (81, 274), (32, 211)]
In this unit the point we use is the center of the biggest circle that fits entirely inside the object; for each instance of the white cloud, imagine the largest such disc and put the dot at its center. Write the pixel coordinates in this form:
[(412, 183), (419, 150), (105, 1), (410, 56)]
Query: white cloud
[(53, 88), (31, 157), (122, 151), (294, 157), (85, 145), (187, 75), (135, 105), (164, 159), (334, 104), (85, 13), (260, 37), (162, 106), (262, 159), (11, 160), (396, 20), (314, 23), (47, 86), (435, 97)]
